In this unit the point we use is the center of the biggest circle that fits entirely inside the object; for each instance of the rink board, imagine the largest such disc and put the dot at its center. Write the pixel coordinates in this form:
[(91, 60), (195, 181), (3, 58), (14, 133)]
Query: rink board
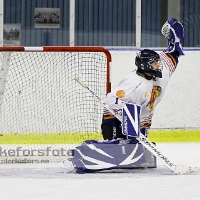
[(77, 138)]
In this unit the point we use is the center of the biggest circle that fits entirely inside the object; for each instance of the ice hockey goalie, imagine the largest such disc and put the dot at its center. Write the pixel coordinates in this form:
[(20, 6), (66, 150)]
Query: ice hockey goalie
[(94, 156)]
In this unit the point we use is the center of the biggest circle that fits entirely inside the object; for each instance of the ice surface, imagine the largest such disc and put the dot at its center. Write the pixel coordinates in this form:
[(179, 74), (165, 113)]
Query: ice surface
[(51, 182)]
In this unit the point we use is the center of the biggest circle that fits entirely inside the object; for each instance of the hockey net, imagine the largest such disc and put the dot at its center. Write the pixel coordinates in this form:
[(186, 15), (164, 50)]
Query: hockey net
[(43, 111)]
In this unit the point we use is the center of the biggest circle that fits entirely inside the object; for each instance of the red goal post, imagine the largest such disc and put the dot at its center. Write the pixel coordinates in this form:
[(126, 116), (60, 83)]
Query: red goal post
[(40, 103)]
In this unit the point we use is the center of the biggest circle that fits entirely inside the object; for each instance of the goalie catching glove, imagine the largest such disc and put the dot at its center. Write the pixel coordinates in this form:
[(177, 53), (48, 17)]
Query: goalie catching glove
[(174, 32)]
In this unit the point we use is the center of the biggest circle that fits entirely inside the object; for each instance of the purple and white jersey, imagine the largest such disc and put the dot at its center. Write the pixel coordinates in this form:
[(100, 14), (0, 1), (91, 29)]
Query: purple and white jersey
[(135, 89)]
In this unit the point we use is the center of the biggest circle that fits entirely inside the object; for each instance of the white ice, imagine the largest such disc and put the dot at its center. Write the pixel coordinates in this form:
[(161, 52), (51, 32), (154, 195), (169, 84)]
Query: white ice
[(50, 182)]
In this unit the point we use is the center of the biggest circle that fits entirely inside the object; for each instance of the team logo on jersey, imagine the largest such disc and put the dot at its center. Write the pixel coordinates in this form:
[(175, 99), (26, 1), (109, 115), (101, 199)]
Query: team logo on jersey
[(120, 93), (155, 93)]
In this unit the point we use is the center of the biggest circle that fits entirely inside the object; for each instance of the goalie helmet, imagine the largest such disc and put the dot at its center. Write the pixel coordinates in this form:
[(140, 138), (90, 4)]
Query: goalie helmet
[(144, 60)]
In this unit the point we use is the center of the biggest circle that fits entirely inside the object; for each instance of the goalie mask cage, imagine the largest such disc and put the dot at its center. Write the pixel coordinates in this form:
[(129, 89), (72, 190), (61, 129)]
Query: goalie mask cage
[(43, 111)]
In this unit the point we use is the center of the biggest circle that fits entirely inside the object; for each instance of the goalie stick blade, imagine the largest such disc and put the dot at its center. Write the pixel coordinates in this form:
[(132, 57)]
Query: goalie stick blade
[(186, 170)]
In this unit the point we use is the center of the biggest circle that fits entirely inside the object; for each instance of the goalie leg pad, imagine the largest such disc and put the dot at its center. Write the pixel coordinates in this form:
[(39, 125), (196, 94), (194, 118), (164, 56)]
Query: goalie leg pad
[(116, 154)]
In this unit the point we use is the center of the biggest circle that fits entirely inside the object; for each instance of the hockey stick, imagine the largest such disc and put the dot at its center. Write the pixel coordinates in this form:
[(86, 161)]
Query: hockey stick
[(144, 141)]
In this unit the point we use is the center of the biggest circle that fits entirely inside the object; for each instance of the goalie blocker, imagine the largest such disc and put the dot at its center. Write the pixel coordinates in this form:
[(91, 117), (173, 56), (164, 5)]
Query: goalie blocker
[(93, 156)]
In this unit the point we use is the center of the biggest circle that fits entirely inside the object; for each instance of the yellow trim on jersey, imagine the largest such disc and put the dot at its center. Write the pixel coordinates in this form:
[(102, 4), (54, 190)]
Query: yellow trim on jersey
[(109, 117), (146, 124)]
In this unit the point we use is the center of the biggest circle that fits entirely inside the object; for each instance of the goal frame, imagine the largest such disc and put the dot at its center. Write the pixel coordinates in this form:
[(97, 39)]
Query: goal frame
[(66, 49)]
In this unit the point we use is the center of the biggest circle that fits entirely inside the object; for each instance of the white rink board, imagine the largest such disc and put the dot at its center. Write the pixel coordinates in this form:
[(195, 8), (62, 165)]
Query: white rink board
[(180, 107)]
